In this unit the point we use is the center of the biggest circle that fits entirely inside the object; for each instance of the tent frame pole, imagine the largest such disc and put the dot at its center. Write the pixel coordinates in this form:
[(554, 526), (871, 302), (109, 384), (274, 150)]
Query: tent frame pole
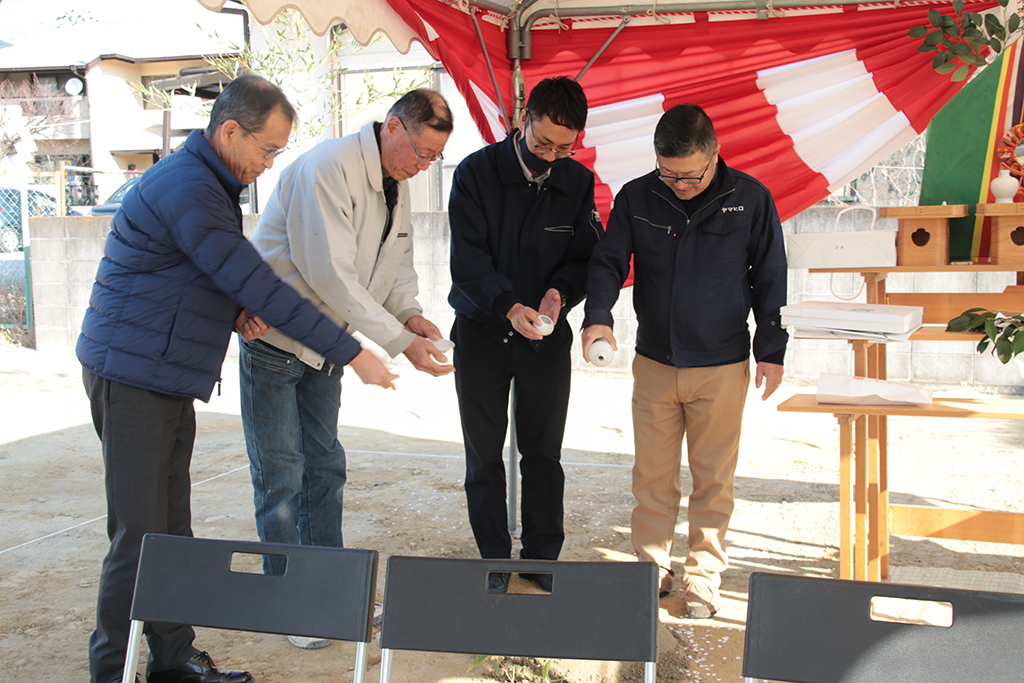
[(521, 25), (600, 50), (490, 70)]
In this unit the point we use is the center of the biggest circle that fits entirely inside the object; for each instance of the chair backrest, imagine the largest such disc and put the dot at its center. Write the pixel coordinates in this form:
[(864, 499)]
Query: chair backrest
[(596, 610), (812, 630), (323, 593)]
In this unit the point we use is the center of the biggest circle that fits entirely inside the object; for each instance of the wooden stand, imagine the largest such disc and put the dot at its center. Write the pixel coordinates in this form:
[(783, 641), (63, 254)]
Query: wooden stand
[(923, 232), (1007, 246), (866, 517)]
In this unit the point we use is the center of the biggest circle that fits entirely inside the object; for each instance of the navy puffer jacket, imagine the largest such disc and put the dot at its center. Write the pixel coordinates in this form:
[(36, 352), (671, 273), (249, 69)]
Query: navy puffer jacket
[(176, 271)]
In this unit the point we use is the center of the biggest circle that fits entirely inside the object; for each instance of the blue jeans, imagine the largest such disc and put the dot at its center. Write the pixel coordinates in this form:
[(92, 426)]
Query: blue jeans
[(290, 420)]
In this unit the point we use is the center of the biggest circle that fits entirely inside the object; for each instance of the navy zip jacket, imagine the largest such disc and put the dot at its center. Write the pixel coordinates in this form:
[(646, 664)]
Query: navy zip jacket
[(512, 242), (696, 278), (174, 265)]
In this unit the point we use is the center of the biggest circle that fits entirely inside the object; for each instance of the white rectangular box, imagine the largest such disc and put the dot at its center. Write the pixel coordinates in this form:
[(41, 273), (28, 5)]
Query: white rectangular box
[(872, 249), (838, 315)]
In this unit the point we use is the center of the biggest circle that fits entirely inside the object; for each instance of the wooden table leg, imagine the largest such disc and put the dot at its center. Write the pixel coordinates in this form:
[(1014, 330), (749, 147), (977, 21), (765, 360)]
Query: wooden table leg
[(875, 516), (883, 490), (845, 496), (860, 455), (877, 451), (860, 498)]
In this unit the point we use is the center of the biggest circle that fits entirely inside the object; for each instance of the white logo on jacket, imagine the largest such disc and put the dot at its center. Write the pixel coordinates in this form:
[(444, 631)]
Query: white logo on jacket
[(731, 208)]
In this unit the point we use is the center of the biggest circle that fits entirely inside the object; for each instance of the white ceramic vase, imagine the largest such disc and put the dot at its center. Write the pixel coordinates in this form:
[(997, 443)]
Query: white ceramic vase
[(1004, 187), (601, 353)]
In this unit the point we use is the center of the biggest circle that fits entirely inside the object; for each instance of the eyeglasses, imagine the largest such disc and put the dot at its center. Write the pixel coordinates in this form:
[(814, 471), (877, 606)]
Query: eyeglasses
[(270, 153), (560, 153), (673, 179), (429, 158)]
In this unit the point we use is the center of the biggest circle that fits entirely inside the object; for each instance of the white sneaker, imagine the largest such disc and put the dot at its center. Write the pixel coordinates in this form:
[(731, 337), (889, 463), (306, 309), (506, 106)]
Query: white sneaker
[(304, 643)]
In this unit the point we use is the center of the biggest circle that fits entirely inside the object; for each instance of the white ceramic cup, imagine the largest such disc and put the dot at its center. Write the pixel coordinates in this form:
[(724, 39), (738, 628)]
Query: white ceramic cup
[(545, 326), (601, 352)]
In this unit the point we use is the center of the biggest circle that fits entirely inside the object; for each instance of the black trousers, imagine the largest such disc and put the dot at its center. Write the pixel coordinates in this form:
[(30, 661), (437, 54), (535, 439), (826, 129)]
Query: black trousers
[(147, 440), (484, 369)]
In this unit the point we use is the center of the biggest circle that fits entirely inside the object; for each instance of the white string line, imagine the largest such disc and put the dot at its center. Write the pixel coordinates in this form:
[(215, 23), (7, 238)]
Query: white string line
[(96, 519), (245, 467), (51, 535), (347, 450)]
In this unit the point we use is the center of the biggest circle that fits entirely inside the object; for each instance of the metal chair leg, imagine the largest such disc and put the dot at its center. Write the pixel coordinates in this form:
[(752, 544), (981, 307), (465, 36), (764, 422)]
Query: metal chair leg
[(131, 658), (385, 665)]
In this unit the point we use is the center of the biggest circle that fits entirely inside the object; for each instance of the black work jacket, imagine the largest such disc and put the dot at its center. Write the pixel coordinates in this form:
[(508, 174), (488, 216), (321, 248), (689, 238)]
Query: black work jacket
[(512, 240), (696, 277)]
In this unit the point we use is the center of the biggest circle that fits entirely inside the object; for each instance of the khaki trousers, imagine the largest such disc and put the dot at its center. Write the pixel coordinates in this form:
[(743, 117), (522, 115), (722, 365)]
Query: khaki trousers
[(705, 404)]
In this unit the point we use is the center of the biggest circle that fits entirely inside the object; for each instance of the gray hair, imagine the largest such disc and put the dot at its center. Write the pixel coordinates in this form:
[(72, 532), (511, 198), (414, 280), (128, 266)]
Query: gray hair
[(249, 100), (422, 107), (684, 130)]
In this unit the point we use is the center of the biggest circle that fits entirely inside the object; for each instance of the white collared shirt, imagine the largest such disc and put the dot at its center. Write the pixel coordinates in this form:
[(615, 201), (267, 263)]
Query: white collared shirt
[(526, 169)]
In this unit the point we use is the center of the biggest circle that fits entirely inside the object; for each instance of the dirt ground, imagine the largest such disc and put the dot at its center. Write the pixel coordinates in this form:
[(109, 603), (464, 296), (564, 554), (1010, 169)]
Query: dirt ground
[(404, 496)]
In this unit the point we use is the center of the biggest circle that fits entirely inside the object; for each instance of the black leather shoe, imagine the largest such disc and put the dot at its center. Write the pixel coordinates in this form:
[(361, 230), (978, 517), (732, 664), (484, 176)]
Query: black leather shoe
[(497, 582), (543, 581), (199, 669)]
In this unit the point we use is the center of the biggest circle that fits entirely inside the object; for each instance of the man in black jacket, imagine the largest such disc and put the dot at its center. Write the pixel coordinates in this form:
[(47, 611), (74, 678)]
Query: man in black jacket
[(523, 228), (707, 247)]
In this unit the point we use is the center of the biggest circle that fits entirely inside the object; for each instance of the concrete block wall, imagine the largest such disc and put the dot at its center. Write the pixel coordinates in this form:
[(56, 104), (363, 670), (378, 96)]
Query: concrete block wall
[(66, 251), (64, 254)]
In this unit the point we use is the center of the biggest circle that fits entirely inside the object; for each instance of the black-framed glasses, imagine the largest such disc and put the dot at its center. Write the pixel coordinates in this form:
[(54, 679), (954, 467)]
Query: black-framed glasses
[(429, 158), (673, 179), (560, 153), (270, 153)]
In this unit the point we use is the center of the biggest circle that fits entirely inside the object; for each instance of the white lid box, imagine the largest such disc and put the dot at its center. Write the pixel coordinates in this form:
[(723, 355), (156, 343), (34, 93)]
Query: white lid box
[(853, 316)]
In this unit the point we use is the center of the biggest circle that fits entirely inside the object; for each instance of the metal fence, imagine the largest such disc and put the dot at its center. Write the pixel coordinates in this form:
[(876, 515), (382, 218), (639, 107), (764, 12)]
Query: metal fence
[(20, 200)]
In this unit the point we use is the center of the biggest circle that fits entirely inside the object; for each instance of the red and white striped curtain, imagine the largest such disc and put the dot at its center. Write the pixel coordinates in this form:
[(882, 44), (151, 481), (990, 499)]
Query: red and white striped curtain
[(805, 102)]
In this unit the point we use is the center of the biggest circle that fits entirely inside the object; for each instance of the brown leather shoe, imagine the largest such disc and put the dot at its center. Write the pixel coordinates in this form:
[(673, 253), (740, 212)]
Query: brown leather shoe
[(199, 669)]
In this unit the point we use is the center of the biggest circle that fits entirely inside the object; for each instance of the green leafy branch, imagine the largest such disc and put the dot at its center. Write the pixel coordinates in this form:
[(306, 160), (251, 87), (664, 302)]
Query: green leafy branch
[(960, 41), (1004, 333)]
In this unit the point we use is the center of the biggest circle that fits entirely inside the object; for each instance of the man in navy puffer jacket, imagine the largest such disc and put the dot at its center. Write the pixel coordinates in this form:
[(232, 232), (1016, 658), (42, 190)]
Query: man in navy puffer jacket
[(177, 276)]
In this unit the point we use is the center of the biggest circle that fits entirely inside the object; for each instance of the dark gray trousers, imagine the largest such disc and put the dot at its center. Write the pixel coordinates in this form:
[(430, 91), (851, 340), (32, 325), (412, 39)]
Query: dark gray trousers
[(147, 440), (484, 370)]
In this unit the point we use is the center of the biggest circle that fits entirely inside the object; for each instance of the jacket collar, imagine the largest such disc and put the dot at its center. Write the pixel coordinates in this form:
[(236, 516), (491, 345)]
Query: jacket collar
[(197, 144), (722, 185), (370, 149), (510, 171)]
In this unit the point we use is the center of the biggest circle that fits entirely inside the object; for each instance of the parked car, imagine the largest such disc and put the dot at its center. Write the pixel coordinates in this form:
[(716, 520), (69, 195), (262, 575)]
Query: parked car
[(113, 203), (39, 204)]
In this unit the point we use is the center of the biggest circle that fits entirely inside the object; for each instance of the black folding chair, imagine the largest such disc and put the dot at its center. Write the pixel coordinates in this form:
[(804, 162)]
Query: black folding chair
[(812, 630), (596, 610), (323, 593)]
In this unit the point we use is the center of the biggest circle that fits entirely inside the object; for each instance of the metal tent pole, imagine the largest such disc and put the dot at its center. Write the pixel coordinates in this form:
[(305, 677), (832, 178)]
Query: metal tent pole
[(513, 461)]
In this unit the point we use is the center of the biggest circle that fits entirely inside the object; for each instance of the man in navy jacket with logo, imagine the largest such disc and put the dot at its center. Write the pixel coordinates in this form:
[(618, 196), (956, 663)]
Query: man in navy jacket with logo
[(177, 276), (707, 247), (523, 229)]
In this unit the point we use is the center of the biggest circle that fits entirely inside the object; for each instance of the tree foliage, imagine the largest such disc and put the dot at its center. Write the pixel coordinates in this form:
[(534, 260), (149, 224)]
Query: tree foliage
[(30, 108), (294, 58)]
